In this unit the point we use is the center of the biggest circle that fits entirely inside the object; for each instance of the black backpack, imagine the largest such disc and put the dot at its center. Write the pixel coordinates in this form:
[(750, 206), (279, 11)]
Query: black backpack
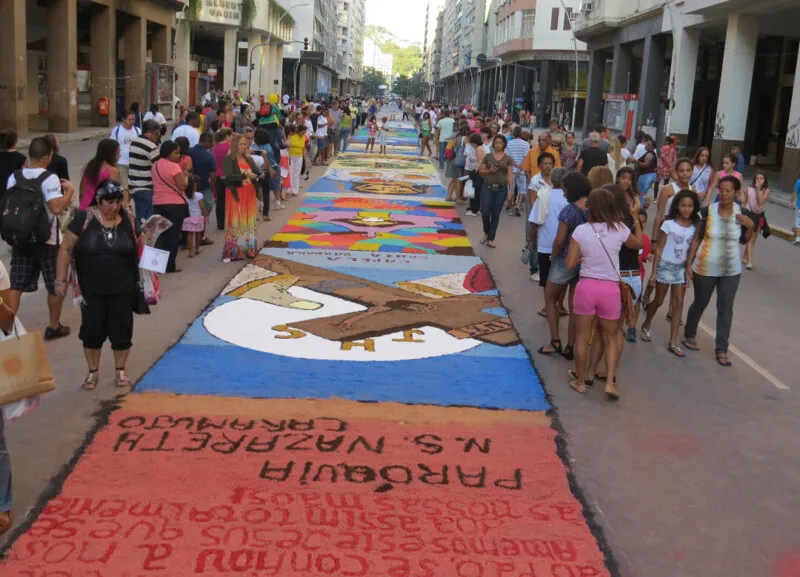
[(23, 215)]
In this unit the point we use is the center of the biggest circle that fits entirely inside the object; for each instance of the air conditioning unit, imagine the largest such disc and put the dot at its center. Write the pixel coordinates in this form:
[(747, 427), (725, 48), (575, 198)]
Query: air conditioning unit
[(586, 6)]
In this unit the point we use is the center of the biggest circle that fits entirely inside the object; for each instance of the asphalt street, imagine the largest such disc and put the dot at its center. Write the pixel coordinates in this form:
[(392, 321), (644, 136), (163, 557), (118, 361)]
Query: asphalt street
[(693, 473)]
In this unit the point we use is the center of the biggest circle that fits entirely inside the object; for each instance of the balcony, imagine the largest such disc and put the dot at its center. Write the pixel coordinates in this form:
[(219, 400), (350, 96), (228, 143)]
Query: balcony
[(600, 16)]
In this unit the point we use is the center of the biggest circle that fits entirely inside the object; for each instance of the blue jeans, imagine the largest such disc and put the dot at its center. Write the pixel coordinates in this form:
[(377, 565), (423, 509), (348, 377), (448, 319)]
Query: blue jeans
[(442, 148), (493, 199), (143, 201), (6, 500), (345, 138), (645, 182)]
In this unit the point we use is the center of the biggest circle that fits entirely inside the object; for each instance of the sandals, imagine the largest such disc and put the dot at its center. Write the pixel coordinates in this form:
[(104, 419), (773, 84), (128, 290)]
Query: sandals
[(573, 375), (90, 383), (569, 353), (556, 346), (612, 394), (491, 244), (123, 380), (690, 344), (646, 336), (51, 334), (723, 360), (484, 240), (542, 313), (676, 350)]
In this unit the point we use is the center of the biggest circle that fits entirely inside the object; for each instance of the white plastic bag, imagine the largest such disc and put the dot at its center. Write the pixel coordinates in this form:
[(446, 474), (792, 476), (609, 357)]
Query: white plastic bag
[(469, 190)]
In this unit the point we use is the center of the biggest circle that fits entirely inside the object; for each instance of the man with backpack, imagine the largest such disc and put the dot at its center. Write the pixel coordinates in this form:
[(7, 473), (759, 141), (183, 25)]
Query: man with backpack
[(29, 223)]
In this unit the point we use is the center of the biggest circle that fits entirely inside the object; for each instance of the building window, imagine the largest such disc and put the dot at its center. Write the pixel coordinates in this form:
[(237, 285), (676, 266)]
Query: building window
[(242, 56), (528, 21), (554, 19), (567, 16)]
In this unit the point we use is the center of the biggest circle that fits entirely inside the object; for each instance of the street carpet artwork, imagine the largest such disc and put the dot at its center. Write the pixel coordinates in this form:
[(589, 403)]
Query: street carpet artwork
[(404, 149), (375, 225), (382, 182), (384, 162), (355, 402), (179, 486)]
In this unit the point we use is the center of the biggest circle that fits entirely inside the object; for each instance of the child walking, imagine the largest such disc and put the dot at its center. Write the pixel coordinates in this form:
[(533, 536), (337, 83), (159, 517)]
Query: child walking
[(195, 225), (297, 146), (669, 264), (383, 133), (372, 133)]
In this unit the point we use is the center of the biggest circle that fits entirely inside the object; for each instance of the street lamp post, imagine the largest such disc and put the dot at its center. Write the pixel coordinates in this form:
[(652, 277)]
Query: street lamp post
[(253, 49)]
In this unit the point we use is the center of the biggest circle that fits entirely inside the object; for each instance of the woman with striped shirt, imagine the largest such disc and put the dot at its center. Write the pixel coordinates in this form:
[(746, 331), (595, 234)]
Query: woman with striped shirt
[(714, 263)]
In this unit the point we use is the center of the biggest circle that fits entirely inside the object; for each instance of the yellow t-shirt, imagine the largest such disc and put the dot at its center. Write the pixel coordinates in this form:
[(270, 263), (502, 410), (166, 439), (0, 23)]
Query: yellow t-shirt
[(297, 145)]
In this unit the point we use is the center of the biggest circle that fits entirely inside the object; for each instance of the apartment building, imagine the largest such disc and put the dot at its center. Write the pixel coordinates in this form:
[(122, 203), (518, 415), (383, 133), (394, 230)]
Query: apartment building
[(350, 55), (463, 39), (533, 59), (712, 72), (316, 21), (375, 58)]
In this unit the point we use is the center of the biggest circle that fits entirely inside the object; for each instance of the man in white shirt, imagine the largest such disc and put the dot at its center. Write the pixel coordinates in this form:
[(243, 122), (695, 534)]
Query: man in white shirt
[(189, 130), (29, 261), (125, 133), (285, 99), (444, 132)]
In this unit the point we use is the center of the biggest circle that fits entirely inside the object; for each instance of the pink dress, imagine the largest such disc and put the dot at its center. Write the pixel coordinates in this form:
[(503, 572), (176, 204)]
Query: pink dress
[(88, 188)]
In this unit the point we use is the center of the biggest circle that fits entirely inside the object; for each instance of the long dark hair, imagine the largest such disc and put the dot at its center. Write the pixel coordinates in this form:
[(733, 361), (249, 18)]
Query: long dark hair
[(634, 192), (676, 200), (183, 144), (603, 208), (106, 153), (766, 180)]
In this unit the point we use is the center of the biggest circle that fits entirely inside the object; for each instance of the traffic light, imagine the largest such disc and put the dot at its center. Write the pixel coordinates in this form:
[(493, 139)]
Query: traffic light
[(305, 43)]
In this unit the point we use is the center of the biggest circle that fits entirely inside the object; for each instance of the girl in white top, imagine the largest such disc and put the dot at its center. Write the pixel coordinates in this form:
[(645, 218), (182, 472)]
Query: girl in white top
[(475, 153), (669, 264), (683, 172), (702, 171), (195, 224)]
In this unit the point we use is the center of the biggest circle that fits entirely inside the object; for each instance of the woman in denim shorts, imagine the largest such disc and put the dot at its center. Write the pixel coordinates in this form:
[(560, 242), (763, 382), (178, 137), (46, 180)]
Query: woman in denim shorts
[(577, 189)]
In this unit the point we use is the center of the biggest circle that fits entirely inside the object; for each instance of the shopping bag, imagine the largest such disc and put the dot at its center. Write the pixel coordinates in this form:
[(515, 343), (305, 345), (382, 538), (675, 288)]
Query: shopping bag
[(24, 369), (469, 190)]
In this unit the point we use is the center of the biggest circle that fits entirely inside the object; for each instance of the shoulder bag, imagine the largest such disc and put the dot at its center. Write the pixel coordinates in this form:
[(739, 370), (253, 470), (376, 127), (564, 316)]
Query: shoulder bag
[(625, 290)]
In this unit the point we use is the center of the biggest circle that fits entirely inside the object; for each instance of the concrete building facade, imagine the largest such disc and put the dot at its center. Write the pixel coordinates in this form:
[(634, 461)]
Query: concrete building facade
[(533, 58), (315, 20), (713, 72), (64, 56), (375, 58), (216, 51), (463, 39), (351, 16)]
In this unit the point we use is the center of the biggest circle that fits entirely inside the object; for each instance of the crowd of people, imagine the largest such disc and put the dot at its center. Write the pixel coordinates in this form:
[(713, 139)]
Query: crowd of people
[(585, 242)]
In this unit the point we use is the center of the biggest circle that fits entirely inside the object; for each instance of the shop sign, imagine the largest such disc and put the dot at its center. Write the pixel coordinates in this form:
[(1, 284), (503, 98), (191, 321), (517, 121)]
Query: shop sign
[(222, 11)]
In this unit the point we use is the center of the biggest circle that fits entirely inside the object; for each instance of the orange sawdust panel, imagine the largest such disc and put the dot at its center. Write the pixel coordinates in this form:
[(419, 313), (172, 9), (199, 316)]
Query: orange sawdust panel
[(175, 486)]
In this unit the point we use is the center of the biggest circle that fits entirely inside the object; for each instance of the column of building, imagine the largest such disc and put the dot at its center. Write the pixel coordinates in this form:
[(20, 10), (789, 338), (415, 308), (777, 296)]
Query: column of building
[(594, 94), (790, 167), (62, 65), (687, 43), (651, 84), (737, 75), (13, 73)]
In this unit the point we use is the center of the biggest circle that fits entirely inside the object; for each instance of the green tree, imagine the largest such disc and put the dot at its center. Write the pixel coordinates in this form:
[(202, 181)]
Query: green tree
[(371, 80)]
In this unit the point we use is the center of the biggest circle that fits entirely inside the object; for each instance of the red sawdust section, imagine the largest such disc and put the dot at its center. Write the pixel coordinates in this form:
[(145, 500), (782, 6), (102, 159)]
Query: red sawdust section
[(177, 486)]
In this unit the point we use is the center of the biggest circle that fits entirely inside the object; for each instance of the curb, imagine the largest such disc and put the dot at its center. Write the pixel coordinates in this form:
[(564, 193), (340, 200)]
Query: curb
[(782, 233), (68, 137)]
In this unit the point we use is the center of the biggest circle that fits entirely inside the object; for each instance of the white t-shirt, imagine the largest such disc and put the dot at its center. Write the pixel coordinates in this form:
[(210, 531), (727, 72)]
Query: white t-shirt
[(189, 132), (322, 127), (676, 250), (194, 204), (445, 126), (285, 99), (125, 136), (641, 150), (51, 189), (625, 153), (5, 284), (548, 230), (158, 117), (434, 116)]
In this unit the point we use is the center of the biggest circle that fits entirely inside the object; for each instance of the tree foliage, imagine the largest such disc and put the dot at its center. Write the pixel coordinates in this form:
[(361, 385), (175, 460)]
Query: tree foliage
[(406, 58), (410, 87), (371, 80)]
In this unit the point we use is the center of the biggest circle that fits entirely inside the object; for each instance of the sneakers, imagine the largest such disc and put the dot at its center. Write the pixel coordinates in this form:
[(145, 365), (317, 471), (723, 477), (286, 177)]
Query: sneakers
[(470, 213), (630, 335), (535, 276), (279, 207), (510, 212), (206, 242)]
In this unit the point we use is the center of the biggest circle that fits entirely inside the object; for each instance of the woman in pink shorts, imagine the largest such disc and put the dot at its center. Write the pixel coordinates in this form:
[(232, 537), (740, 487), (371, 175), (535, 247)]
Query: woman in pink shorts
[(595, 246)]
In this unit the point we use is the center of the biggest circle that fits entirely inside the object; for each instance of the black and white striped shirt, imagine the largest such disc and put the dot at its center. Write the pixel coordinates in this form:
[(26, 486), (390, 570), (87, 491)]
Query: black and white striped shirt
[(144, 152)]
